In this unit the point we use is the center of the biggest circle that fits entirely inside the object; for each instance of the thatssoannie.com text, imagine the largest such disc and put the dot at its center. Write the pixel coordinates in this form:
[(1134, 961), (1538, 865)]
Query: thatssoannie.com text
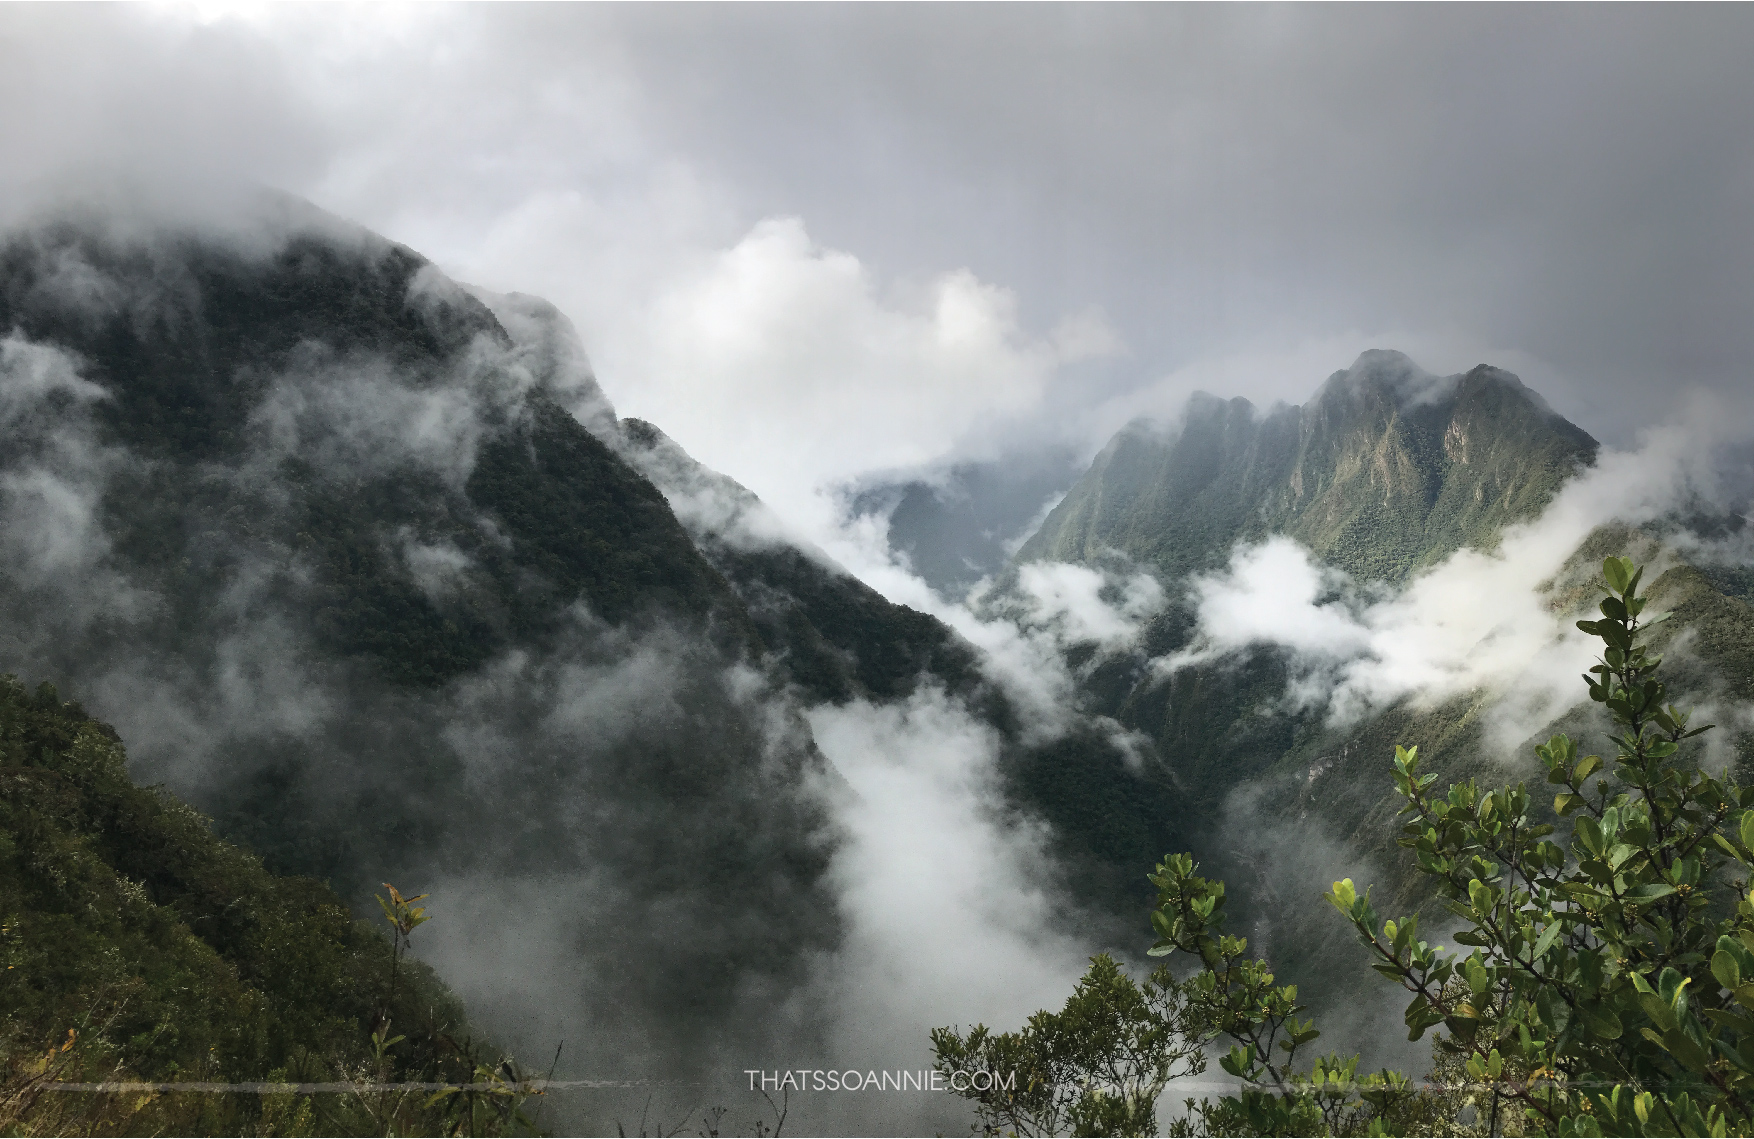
[(818, 1080)]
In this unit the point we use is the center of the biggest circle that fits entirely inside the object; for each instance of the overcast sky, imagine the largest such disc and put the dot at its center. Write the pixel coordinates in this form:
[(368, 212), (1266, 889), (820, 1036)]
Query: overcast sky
[(810, 242)]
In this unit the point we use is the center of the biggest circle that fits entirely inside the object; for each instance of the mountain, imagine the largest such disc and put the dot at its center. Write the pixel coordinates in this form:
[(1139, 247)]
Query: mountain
[(1387, 470), (365, 567)]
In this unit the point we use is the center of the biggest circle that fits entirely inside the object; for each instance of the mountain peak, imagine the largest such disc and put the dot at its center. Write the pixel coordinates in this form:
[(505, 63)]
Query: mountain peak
[(1385, 374), (1385, 359)]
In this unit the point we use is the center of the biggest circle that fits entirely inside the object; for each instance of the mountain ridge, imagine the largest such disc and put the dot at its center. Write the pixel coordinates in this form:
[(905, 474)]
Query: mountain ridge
[(1381, 473)]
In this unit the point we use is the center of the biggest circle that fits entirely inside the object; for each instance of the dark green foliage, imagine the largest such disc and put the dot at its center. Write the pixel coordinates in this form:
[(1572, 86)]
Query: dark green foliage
[(829, 633), (188, 336), (1604, 987), (363, 604), (1102, 809), (1611, 965), (170, 954), (585, 526), (836, 637), (1234, 996), (560, 704)]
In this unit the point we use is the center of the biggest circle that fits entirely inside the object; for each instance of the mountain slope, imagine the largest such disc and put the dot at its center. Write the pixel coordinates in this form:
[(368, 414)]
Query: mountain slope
[(964, 523), (833, 635), (1385, 471), (344, 551)]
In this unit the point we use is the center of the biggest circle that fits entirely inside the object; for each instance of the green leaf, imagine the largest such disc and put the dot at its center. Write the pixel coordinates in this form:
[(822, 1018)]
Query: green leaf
[(1682, 1048), (1545, 941), (1618, 571), (1726, 969), (1658, 1010), (1600, 1020)]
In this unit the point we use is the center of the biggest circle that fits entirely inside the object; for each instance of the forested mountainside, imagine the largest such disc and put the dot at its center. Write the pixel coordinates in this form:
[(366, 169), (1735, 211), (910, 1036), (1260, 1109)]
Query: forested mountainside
[(836, 639), (1388, 469), (137, 946), (359, 564)]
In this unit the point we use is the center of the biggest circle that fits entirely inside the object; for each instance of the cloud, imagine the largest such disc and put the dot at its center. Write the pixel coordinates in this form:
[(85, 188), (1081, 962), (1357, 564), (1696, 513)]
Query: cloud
[(952, 914), (604, 815), (1273, 593), (1217, 183), (713, 508), (53, 477), (1071, 600), (786, 364)]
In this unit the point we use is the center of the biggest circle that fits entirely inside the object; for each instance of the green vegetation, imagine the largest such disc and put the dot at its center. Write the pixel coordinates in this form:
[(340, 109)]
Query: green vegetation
[(138, 947), (1606, 988), (187, 333), (1094, 1068)]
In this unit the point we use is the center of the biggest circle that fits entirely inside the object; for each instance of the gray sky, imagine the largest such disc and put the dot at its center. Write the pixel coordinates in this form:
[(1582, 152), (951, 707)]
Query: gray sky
[(814, 241)]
